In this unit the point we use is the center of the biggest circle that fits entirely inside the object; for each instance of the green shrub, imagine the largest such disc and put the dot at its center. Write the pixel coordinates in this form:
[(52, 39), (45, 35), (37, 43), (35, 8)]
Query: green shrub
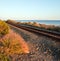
[(4, 28), (57, 29), (4, 57)]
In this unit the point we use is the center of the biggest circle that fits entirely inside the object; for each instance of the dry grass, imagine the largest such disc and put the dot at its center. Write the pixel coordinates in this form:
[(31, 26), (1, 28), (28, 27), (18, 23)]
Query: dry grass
[(12, 39), (11, 44)]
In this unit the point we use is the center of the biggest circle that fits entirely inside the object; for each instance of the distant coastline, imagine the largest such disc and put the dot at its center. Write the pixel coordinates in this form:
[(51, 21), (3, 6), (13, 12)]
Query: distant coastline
[(47, 22)]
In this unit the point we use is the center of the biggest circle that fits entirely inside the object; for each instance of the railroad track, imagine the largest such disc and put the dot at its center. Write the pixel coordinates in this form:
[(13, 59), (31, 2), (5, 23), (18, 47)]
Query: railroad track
[(47, 33)]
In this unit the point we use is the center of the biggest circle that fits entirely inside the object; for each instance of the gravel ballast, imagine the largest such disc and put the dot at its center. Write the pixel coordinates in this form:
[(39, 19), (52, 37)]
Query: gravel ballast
[(41, 48)]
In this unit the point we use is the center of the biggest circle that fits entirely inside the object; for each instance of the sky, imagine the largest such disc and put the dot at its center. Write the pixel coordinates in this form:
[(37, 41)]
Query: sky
[(30, 9)]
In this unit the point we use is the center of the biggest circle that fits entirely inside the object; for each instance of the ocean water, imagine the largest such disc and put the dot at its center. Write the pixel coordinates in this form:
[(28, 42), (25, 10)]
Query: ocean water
[(47, 22)]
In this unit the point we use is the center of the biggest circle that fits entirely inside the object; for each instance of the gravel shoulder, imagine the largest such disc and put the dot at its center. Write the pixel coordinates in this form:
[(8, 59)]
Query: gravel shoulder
[(41, 48)]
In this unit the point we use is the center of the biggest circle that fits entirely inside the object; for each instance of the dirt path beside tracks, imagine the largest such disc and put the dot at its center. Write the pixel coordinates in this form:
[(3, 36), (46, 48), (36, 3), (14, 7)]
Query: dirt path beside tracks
[(41, 48)]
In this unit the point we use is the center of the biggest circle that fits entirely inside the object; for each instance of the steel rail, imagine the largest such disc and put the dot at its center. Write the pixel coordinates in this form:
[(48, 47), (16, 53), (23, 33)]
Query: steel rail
[(37, 31)]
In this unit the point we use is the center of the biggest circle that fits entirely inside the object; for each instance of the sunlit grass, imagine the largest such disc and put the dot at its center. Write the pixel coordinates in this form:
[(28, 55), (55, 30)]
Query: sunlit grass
[(4, 28), (11, 43)]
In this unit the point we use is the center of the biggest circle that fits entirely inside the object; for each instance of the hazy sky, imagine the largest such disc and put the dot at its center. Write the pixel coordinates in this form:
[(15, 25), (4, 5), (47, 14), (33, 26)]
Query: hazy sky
[(30, 9)]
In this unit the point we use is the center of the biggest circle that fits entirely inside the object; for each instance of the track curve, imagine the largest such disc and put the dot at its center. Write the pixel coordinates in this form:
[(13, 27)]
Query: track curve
[(33, 29)]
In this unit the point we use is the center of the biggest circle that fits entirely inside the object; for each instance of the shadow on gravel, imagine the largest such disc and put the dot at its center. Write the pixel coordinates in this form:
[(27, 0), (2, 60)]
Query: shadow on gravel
[(50, 48), (46, 48)]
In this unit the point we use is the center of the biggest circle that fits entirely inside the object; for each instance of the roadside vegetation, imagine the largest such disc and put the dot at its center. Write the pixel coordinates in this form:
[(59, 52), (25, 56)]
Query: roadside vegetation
[(10, 43), (35, 24), (57, 29), (43, 26), (4, 28)]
